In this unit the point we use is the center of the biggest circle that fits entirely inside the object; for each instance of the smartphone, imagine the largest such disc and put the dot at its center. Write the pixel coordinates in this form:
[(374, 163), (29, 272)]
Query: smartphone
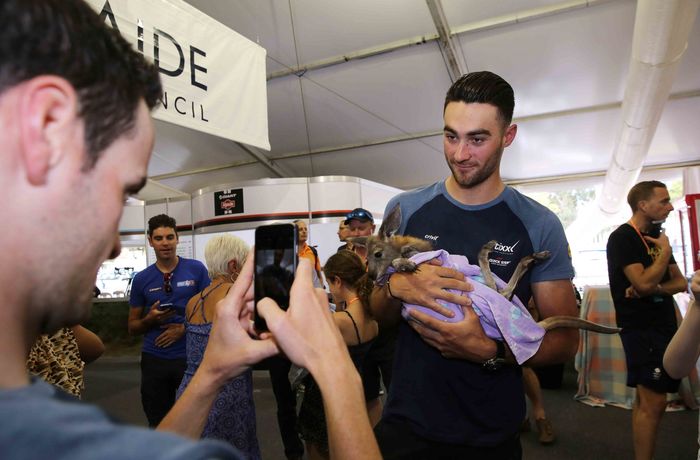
[(655, 229), (165, 306), (275, 265)]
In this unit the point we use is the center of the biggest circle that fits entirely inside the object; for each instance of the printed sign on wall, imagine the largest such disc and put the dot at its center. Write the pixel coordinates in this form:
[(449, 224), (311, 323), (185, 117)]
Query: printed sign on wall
[(228, 202), (213, 78)]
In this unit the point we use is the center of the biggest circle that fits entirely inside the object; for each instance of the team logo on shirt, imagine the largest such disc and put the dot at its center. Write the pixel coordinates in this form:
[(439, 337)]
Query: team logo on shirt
[(502, 254), (185, 283)]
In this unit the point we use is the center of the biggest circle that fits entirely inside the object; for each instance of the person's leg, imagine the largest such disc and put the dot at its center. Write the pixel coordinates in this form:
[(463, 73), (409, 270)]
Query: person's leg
[(175, 370), (534, 394), (371, 386), (649, 407), (286, 406), (155, 396)]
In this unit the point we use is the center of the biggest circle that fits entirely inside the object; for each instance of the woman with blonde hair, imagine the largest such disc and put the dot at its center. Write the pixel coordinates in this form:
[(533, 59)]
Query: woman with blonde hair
[(232, 415), (350, 287)]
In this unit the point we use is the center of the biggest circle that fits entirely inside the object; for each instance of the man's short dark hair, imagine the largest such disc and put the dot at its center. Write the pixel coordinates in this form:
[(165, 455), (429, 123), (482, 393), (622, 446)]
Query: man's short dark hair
[(161, 220), (484, 88), (66, 38), (642, 191)]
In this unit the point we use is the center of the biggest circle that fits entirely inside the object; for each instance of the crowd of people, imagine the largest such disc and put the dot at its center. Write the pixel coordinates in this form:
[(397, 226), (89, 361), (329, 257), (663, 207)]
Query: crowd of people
[(75, 102)]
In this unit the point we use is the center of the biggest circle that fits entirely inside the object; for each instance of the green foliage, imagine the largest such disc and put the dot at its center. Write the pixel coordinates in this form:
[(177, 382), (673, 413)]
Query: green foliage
[(109, 321), (565, 203), (675, 189)]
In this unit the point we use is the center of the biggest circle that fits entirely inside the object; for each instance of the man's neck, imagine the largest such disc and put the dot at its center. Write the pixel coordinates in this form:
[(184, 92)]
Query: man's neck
[(481, 193), (640, 221), (167, 265)]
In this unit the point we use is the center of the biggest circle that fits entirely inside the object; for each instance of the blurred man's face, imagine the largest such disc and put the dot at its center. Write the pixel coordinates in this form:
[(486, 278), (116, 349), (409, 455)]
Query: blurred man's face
[(360, 228), (164, 243), (87, 227), (658, 206), (302, 232), (343, 231)]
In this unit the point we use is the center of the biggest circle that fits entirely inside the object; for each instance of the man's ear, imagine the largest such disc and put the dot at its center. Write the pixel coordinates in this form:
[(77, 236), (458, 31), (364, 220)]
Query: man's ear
[(49, 125), (510, 133)]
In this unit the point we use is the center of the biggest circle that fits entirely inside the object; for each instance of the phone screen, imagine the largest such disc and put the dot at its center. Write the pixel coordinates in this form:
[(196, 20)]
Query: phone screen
[(275, 264)]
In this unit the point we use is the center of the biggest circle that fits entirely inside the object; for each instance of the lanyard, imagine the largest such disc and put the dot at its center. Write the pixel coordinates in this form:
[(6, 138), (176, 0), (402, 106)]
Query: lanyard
[(640, 236)]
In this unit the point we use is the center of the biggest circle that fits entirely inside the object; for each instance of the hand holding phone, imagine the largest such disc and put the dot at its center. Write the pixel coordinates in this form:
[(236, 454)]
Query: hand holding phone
[(655, 229), (275, 265)]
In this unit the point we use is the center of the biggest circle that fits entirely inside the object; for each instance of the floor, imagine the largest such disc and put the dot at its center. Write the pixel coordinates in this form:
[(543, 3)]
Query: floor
[(583, 432)]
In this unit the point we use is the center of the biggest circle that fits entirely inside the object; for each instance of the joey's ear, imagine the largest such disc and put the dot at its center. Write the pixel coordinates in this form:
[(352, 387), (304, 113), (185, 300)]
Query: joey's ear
[(391, 222), (50, 125), (358, 241)]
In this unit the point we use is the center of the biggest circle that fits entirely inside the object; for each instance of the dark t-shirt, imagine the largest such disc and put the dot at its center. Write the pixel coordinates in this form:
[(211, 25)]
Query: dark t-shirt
[(625, 247), (454, 400)]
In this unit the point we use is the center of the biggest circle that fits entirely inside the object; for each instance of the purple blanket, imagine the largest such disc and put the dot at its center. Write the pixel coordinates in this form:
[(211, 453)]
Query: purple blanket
[(501, 319)]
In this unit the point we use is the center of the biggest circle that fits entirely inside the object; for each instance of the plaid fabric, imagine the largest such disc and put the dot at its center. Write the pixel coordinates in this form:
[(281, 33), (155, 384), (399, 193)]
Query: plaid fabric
[(600, 360)]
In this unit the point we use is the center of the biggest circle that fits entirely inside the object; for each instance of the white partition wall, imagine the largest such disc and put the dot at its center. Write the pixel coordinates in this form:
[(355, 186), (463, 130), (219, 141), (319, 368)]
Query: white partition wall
[(320, 201), (239, 208)]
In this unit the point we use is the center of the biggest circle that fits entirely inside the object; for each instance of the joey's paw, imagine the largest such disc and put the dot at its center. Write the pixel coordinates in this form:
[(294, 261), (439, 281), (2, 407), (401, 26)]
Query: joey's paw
[(403, 265), (540, 256), (489, 246)]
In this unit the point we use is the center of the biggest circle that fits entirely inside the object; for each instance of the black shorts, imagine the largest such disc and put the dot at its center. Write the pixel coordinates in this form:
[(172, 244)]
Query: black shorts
[(644, 354), (397, 441)]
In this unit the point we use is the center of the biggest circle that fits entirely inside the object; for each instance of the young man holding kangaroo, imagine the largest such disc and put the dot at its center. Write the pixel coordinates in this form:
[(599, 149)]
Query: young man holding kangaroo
[(456, 393)]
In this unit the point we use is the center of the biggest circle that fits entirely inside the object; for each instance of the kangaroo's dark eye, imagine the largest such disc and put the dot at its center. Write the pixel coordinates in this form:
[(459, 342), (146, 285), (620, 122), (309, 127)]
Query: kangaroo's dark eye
[(378, 254)]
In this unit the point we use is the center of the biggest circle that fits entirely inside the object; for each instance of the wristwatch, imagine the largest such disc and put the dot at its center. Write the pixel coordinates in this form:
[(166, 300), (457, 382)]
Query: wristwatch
[(495, 363)]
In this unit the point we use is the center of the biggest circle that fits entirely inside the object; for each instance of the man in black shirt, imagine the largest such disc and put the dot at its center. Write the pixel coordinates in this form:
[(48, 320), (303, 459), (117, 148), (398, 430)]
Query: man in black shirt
[(643, 277)]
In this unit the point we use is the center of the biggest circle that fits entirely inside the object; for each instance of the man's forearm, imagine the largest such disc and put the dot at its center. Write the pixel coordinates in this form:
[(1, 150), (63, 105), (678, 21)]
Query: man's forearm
[(139, 326), (189, 414), (651, 276), (350, 435), (558, 346), (683, 351)]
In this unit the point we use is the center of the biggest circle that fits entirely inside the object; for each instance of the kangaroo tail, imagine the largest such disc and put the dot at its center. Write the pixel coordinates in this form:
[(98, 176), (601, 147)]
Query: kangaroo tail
[(555, 322)]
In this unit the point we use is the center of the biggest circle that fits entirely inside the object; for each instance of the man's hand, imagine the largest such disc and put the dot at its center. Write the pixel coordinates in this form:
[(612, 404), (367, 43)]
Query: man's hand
[(661, 242), (306, 332), (631, 293), (173, 332), (429, 283), (695, 287), (231, 349), (156, 315), (464, 339)]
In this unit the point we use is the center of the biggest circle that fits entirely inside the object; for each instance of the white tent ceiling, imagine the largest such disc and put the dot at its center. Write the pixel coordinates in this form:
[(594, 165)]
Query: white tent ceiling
[(380, 117)]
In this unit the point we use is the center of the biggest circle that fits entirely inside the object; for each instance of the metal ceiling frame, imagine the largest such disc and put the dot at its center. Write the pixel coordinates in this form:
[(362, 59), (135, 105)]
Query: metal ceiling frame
[(478, 26), (404, 138), (454, 61)]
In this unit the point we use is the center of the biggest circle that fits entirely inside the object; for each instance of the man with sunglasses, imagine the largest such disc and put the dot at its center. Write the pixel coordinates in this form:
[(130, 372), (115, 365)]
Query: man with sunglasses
[(159, 295)]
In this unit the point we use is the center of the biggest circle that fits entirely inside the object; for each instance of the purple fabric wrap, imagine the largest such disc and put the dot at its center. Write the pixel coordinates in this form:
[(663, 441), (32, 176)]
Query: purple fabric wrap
[(501, 319)]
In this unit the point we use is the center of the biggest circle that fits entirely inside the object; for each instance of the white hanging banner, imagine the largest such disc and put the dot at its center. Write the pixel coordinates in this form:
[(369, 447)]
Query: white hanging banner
[(214, 79)]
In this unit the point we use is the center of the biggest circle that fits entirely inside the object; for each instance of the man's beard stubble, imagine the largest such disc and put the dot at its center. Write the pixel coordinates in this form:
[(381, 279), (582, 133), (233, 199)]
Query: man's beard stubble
[(478, 176)]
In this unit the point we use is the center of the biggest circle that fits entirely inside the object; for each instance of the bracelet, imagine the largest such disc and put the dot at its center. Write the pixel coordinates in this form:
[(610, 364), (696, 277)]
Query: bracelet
[(388, 286)]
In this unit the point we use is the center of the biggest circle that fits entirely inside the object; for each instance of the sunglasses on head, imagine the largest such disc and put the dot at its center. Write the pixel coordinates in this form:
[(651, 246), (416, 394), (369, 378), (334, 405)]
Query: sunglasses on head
[(359, 214), (167, 287)]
